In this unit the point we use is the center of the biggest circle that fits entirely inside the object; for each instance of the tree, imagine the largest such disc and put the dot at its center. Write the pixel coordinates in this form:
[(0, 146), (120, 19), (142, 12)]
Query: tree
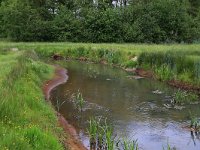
[(104, 26), (195, 6)]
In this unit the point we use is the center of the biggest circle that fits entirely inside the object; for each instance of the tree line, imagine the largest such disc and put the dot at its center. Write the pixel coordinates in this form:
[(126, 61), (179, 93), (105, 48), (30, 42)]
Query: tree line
[(139, 21)]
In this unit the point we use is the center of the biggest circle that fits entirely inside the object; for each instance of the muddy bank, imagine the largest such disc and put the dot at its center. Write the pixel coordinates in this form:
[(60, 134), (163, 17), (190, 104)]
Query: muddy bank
[(178, 84), (71, 141)]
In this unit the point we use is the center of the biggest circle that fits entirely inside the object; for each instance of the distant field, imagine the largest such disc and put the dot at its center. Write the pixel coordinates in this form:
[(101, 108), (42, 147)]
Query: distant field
[(135, 48)]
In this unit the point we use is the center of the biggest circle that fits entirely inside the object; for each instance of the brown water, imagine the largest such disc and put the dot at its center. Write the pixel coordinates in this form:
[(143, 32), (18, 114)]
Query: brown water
[(130, 106)]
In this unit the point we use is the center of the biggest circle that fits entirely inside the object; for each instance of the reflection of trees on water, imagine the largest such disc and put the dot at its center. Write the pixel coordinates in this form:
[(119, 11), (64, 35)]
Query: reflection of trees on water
[(194, 136)]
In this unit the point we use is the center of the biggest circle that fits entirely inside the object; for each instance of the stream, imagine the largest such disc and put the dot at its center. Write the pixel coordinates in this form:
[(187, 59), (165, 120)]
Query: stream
[(137, 108)]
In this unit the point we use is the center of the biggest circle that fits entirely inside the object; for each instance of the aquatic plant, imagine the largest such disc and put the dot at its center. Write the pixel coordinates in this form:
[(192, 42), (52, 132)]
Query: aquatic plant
[(100, 140), (110, 145), (93, 130), (101, 136), (181, 96), (79, 101), (194, 122), (59, 104), (169, 147), (129, 145)]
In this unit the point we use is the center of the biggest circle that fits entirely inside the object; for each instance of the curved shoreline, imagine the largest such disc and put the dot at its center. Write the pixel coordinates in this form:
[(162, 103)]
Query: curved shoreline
[(71, 141)]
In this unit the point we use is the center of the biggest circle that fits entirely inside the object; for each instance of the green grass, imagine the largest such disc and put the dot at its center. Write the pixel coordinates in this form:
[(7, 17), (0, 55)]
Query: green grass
[(179, 62), (181, 66), (136, 48), (27, 121)]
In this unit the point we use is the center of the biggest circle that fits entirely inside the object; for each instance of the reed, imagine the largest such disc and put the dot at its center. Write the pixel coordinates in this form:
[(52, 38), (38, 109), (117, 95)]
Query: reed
[(181, 96), (173, 65), (59, 104), (129, 145), (79, 101), (169, 147), (93, 130)]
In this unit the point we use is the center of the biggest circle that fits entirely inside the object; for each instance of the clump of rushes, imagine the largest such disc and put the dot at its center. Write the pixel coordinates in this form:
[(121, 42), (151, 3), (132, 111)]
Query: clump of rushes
[(169, 147), (181, 97), (59, 104), (129, 145), (110, 145), (101, 137), (92, 131), (100, 134), (194, 122), (79, 101)]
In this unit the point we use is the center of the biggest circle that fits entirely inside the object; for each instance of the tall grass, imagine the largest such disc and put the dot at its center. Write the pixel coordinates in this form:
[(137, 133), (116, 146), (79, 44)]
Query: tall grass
[(26, 120), (182, 66)]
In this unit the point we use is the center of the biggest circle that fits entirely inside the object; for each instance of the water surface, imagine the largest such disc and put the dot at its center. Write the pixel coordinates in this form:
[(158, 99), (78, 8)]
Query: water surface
[(130, 105)]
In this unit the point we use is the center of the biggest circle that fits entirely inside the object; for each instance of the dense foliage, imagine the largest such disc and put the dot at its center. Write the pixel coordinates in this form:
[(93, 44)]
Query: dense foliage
[(143, 21)]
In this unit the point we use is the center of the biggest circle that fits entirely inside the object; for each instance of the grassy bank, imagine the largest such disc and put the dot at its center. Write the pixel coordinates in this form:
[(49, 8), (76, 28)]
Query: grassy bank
[(179, 66), (175, 62), (26, 120)]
